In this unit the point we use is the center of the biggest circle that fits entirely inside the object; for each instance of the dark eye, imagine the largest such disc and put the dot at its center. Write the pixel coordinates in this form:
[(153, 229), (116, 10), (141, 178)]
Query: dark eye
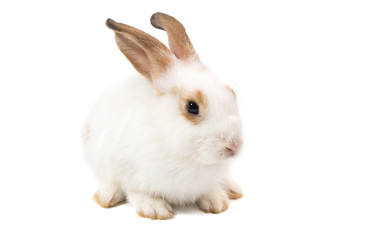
[(192, 108)]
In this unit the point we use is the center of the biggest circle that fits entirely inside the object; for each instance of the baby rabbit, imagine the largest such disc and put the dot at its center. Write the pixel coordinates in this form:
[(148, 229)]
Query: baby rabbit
[(167, 136)]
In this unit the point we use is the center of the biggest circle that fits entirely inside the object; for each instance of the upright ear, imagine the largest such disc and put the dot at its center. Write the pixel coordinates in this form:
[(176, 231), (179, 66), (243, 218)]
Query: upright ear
[(148, 55), (179, 41)]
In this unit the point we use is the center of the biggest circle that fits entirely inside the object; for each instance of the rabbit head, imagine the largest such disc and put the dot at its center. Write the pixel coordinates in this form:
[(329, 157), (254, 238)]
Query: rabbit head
[(207, 125)]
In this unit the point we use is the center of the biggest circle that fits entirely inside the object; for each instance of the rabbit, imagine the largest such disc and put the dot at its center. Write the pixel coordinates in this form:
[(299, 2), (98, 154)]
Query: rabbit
[(165, 137)]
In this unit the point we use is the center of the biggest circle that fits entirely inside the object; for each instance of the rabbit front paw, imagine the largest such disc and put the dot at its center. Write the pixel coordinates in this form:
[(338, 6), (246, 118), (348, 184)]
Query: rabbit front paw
[(232, 189), (151, 207), (215, 201), (109, 195)]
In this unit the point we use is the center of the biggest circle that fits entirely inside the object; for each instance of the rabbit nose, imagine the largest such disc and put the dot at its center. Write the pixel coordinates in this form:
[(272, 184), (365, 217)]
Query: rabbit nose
[(233, 146)]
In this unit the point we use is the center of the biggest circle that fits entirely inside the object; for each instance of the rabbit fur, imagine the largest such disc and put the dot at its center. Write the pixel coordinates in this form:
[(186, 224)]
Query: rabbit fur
[(142, 144)]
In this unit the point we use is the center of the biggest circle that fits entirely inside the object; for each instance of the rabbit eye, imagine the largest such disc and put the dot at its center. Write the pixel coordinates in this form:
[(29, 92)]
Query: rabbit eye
[(192, 108)]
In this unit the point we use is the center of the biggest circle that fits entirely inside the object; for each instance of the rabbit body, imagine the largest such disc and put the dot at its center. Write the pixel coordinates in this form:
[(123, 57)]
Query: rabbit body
[(134, 144), (166, 137)]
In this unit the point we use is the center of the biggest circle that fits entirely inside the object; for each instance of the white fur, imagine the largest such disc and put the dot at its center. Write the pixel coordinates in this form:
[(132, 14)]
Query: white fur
[(140, 141)]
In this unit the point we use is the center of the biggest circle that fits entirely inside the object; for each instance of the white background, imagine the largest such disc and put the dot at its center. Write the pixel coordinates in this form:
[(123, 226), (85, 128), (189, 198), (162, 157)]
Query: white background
[(300, 71)]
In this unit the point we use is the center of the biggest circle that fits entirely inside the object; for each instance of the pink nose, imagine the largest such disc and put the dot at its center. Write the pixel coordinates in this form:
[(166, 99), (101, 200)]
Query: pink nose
[(233, 146)]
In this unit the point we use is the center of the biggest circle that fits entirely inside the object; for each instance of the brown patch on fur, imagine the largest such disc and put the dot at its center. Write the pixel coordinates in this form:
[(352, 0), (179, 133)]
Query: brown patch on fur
[(156, 216), (113, 202), (231, 90), (159, 93), (148, 55), (86, 133), (179, 41), (233, 194), (173, 90), (196, 96)]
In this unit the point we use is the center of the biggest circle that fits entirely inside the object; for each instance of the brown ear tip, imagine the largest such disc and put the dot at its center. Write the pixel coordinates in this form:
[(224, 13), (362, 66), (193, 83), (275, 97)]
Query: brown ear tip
[(157, 14), (111, 24), (154, 20)]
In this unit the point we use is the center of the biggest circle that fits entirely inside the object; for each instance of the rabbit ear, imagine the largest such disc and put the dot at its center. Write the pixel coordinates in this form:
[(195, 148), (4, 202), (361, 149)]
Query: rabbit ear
[(179, 41), (148, 55)]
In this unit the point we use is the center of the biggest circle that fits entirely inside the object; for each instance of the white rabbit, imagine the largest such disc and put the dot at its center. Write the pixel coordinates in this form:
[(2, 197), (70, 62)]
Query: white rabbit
[(167, 136)]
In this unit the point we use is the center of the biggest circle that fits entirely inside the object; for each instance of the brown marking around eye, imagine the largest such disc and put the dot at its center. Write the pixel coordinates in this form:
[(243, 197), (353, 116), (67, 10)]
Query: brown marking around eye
[(196, 96)]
